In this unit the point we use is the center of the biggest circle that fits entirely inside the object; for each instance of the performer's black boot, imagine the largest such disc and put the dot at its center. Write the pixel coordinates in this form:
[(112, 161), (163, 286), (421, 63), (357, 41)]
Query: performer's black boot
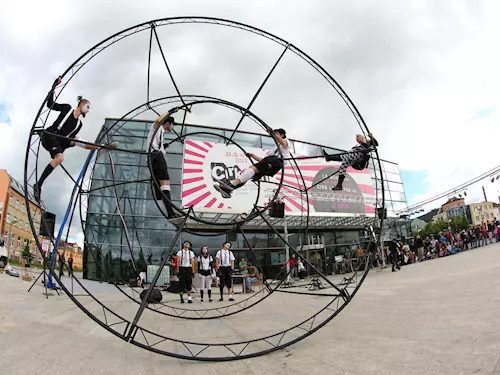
[(168, 205), (339, 183), (201, 295), (334, 157), (210, 295)]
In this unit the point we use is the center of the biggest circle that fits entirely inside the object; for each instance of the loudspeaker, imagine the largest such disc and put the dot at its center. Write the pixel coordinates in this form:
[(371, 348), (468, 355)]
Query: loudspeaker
[(47, 224), (382, 213), (277, 209), (154, 297)]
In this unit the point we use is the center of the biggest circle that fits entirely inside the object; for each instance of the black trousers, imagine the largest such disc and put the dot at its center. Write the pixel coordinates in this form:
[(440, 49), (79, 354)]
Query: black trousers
[(225, 278), (185, 278)]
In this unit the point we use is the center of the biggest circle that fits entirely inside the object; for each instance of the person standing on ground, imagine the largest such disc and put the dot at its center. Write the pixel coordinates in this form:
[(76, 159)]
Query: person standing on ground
[(61, 264), (393, 248), (420, 248), (225, 264), (70, 264), (186, 270), (205, 271)]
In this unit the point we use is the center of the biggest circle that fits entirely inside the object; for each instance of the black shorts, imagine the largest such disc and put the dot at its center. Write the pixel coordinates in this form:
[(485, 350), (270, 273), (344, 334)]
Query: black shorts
[(160, 171), (225, 277), (185, 278), (268, 166), (54, 145), (205, 272)]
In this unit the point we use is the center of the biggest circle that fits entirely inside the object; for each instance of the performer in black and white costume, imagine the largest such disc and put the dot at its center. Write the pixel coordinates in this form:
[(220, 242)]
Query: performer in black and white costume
[(157, 156), (268, 166), (224, 260), (205, 271), (186, 270), (67, 124), (357, 158)]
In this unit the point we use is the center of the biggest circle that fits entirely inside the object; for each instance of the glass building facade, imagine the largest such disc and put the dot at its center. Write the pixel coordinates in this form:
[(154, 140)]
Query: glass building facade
[(107, 254)]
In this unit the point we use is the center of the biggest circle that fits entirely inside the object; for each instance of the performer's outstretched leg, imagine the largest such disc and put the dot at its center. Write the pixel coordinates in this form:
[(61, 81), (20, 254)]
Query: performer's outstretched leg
[(226, 187)]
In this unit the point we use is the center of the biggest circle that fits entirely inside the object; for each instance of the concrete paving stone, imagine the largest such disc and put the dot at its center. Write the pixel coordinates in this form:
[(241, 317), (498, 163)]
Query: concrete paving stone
[(435, 317)]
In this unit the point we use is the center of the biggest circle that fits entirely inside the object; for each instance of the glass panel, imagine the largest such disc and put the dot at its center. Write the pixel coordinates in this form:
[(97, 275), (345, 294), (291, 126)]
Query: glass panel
[(390, 167), (174, 160), (398, 206), (245, 140), (212, 135), (304, 149), (393, 177), (396, 187), (396, 196), (256, 240), (268, 144)]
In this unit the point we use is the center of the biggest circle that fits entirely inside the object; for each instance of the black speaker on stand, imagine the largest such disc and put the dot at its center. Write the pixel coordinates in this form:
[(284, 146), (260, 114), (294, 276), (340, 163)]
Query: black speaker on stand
[(47, 224), (382, 213)]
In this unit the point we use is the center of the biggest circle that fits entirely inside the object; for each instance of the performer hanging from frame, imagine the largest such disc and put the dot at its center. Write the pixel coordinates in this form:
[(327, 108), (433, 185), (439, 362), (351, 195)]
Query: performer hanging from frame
[(358, 157), (268, 166)]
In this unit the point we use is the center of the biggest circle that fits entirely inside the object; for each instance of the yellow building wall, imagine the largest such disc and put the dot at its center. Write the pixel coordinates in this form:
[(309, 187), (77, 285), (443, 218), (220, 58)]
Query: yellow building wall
[(483, 212), (16, 230)]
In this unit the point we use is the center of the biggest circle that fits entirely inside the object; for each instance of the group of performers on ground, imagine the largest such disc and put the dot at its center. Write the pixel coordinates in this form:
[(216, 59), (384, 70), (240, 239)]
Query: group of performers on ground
[(63, 134), (221, 270)]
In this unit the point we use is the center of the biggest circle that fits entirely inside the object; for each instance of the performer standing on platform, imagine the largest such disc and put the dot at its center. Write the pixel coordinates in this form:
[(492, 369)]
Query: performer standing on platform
[(186, 270), (205, 271), (225, 264)]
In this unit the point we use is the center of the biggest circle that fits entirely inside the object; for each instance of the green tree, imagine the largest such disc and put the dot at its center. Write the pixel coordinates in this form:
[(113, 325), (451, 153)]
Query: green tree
[(26, 253), (141, 263)]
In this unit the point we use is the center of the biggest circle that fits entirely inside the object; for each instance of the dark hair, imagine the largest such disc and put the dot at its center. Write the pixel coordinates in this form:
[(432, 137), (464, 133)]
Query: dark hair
[(226, 243), (169, 119), (190, 244), (201, 249), (282, 131)]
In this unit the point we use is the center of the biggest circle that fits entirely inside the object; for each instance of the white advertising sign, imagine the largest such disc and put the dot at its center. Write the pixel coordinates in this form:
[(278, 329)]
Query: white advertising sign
[(207, 162)]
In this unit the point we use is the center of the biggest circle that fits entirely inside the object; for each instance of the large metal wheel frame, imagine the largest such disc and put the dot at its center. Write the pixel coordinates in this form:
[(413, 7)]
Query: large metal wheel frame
[(129, 329)]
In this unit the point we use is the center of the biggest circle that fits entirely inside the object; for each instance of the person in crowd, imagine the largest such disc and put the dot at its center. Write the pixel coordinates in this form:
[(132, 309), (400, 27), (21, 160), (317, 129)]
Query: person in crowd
[(292, 263), (394, 249), (253, 277), (242, 266), (61, 264), (301, 269)]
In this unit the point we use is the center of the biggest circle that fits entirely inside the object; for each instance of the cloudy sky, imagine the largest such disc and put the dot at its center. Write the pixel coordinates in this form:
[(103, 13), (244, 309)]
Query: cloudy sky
[(424, 75)]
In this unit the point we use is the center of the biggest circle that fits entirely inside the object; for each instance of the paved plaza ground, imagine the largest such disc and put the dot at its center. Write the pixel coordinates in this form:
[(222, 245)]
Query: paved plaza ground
[(436, 317)]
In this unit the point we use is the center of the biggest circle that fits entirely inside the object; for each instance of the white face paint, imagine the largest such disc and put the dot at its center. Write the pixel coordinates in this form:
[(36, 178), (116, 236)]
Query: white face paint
[(86, 108)]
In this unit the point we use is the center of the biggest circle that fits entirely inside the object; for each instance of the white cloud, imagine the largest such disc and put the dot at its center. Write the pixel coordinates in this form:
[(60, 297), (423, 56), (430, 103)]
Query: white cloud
[(418, 71)]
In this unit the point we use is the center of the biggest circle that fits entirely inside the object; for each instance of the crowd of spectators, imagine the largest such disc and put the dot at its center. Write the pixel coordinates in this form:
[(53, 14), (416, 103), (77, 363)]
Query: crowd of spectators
[(442, 244)]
